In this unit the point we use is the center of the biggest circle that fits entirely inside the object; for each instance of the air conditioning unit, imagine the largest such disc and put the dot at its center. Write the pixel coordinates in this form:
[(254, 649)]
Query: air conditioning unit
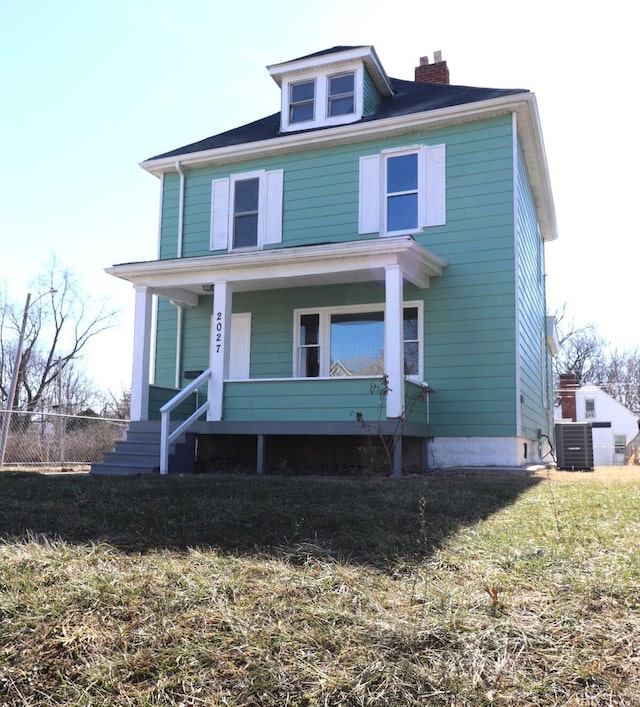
[(574, 446)]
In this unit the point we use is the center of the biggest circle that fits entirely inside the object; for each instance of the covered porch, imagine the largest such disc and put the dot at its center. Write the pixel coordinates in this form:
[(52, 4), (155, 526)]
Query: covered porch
[(299, 399)]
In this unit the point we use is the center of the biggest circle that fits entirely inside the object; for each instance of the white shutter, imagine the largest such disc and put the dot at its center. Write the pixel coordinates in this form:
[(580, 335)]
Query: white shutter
[(369, 198), (273, 185), (220, 214), (435, 185)]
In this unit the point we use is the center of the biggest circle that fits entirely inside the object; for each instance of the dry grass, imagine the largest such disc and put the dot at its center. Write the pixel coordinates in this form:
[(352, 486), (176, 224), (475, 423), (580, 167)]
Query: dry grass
[(496, 589)]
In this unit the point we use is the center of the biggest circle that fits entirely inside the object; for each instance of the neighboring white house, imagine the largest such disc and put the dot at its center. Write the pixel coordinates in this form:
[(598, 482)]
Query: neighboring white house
[(613, 425)]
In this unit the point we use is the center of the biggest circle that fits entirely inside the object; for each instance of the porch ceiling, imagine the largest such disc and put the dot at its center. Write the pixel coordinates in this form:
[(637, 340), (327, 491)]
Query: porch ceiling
[(185, 279)]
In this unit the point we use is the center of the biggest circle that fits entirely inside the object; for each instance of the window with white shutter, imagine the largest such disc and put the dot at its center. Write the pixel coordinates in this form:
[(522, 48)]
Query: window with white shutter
[(246, 210), (403, 190)]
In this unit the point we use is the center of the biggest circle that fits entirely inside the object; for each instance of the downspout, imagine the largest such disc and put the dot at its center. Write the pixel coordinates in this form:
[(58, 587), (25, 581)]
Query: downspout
[(180, 209)]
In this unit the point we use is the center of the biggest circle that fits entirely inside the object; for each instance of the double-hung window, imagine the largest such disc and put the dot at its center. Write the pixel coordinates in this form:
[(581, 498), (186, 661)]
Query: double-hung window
[(341, 94), (348, 341), (245, 198), (246, 210), (302, 101), (402, 191)]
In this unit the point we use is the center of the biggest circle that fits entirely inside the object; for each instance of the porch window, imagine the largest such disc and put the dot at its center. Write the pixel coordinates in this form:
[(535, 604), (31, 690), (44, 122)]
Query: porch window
[(309, 349), (347, 341), (357, 344)]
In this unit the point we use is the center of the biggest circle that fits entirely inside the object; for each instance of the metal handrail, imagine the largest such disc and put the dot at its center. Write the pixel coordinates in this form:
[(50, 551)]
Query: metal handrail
[(167, 437)]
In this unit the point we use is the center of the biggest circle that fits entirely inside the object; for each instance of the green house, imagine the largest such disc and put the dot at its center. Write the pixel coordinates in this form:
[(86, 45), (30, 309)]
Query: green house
[(365, 264)]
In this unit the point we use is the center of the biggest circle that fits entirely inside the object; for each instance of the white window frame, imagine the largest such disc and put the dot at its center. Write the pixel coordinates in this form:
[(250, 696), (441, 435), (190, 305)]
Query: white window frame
[(321, 103), (619, 444), (313, 102), (270, 207), (233, 180), (388, 155), (589, 408), (331, 96), (324, 335), (432, 207)]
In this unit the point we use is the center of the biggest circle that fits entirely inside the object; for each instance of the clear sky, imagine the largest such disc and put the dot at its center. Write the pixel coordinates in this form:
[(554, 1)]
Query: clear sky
[(91, 88)]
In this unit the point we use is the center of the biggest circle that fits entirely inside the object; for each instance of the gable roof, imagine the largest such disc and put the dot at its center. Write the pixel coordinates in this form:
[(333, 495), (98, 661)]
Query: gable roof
[(408, 97)]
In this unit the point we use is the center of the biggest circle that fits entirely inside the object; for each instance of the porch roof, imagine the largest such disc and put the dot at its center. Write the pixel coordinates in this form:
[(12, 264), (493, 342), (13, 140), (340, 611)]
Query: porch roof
[(185, 279)]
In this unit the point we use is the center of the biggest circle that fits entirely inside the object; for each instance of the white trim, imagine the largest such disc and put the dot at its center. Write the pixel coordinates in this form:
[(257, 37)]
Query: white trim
[(141, 354), (324, 328), (369, 187), (394, 340), (219, 348), (353, 261), (239, 366)]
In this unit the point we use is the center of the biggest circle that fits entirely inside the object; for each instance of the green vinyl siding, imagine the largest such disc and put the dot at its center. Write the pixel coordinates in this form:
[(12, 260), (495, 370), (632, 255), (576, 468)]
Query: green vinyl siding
[(169, 216), (196, 329), (371, 96), (165, 359), (312, 400), (535, 397)]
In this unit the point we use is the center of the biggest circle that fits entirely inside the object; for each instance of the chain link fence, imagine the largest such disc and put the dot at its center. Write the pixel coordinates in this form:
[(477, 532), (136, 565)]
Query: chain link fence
[(53, 439)]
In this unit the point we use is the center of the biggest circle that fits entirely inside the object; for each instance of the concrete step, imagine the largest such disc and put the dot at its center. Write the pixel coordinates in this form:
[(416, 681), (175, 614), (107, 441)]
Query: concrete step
[(139, 453)]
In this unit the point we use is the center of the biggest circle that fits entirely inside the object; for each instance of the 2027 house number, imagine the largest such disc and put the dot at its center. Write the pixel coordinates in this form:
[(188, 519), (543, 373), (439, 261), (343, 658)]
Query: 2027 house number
[(219, 328)]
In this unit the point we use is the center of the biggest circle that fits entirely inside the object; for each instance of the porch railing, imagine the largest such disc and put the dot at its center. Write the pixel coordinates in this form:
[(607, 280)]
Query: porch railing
[(166, 436)]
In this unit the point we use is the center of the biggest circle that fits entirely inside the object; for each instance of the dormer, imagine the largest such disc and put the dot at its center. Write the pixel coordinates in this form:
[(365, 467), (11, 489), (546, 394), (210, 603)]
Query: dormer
[(333, 87)]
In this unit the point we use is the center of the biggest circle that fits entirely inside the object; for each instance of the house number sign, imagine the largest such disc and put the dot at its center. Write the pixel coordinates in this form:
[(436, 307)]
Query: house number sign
[(219, 328)]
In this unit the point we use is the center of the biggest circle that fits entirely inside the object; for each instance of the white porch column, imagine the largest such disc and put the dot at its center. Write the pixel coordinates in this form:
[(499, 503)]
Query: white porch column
[(141, 355), (393, 339), (219, 347)]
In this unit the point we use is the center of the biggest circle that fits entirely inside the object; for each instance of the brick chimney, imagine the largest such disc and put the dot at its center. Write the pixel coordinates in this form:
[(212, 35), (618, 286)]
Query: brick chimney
[(568, 387), (432, 73)]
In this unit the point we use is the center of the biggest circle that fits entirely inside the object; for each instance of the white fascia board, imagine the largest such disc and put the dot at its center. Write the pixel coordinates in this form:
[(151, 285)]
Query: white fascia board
[(284, 264)]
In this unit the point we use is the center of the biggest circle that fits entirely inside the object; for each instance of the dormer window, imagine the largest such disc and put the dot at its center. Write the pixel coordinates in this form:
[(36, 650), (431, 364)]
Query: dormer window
[(302, 101), (341, 92), (329, 88)]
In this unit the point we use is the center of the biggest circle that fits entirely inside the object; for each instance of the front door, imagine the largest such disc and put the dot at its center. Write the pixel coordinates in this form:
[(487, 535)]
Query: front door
[(240, 346)]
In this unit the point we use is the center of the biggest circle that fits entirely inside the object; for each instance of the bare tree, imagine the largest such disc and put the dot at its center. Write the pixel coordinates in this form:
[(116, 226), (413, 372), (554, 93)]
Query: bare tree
[(58, 328), (582, 350)]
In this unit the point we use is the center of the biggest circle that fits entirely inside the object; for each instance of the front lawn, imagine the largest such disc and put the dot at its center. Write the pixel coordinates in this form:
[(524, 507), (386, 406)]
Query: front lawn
[(482, 588)]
